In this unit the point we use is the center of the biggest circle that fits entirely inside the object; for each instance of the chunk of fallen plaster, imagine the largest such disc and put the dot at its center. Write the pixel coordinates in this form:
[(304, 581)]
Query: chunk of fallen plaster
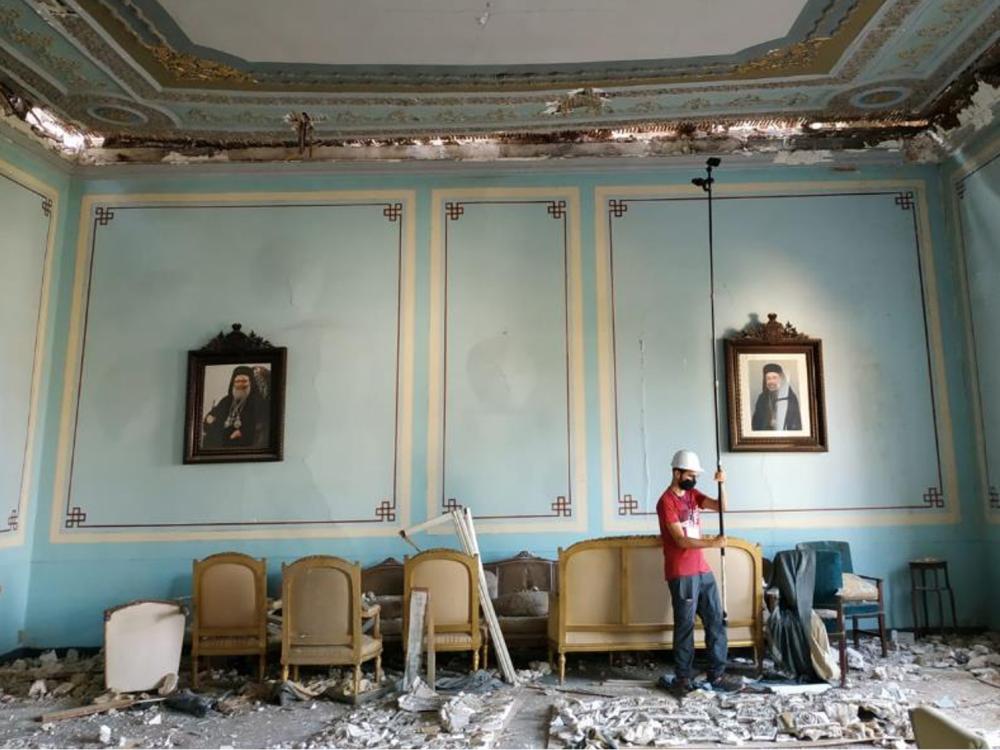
[(62, 689), (49, 657), (37, 689)]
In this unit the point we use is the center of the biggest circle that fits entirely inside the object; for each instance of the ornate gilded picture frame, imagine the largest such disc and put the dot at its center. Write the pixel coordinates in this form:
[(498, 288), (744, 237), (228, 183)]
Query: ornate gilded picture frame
[(235, 400), (774, 388)]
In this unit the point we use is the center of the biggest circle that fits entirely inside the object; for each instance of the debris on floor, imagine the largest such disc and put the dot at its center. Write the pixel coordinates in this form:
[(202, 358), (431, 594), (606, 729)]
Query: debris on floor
[(873, 708), (46, 674), (424, 719), (706, 716), (617, 704)]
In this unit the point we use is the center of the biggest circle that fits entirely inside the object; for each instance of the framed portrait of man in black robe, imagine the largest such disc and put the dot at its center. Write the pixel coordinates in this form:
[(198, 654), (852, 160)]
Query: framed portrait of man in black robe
[(775, 389), (235, 400)]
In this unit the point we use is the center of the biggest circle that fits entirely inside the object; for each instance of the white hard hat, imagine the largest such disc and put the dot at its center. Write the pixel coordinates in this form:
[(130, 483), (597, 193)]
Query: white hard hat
[(687, 461)]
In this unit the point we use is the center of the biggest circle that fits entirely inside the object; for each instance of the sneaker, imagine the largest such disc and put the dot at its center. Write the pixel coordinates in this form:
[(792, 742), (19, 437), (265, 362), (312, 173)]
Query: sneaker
[(726, 683)]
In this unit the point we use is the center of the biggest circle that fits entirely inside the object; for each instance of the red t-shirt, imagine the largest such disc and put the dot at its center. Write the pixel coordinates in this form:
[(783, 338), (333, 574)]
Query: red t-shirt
[(685, 510)]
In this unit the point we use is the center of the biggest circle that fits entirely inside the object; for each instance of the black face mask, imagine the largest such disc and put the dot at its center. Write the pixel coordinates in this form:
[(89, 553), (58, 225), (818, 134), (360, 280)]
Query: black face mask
[(688, 484)]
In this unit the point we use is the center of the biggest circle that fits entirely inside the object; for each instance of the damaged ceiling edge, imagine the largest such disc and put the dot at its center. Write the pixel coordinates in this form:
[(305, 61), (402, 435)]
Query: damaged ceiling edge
[(798, 141)]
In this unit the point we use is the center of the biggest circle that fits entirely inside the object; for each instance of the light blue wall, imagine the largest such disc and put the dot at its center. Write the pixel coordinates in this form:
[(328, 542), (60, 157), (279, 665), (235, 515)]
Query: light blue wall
[(842, 268), (974, 180), (26, 221), (330, 283)]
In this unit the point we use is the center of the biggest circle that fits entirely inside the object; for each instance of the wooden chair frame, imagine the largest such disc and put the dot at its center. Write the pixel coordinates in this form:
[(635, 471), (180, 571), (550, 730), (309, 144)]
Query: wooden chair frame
[(479, 642), (353, 572), (257, 630)]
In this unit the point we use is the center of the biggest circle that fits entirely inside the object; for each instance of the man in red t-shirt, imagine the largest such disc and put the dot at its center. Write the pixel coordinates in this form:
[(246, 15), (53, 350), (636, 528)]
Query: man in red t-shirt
[(692, 585)]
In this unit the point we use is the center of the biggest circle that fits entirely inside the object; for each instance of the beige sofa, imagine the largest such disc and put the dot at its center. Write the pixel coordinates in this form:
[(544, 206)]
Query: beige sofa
[(611, 596)]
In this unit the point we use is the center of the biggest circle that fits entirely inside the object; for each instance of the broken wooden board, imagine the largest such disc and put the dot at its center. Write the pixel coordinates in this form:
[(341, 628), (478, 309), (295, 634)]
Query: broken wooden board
[(95, 708), (417, 614)]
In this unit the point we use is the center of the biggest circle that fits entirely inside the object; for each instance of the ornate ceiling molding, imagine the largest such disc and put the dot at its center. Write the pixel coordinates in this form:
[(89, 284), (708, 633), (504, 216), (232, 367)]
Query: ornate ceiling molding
[(109, 66)]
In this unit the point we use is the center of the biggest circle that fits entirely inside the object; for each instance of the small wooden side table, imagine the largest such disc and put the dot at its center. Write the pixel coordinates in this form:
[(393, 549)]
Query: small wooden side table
[(922, 569)]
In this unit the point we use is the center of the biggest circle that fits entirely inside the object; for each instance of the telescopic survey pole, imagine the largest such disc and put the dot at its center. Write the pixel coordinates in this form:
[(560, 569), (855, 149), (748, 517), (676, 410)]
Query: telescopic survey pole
[(705, 183)]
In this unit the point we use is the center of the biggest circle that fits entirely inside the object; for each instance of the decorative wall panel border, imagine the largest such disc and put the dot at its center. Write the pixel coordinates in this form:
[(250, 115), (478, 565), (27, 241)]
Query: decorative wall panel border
[(565, 512), (620, 510), (14, 518), (990, 483), (388, 514)]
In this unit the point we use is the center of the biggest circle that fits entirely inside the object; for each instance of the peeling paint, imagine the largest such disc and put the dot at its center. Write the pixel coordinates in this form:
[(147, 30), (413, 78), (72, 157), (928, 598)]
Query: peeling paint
[(793, 141), (981, 109), (176, 158), (803, 157)]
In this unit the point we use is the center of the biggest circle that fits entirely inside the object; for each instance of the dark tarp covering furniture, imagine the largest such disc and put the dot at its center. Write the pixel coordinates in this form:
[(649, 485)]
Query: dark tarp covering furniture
[(793, 575)]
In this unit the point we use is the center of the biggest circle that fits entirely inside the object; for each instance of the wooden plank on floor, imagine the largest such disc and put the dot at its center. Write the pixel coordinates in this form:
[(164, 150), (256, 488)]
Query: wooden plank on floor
[(93, 708)]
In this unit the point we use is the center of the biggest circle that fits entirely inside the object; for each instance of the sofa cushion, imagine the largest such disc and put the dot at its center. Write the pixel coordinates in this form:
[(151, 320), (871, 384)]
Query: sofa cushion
[(522, 604), (857, 589)]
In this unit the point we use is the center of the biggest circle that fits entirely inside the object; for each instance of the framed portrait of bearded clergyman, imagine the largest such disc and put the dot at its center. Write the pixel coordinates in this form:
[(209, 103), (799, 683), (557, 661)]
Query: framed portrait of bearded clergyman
[(775, 393), (235, 400)]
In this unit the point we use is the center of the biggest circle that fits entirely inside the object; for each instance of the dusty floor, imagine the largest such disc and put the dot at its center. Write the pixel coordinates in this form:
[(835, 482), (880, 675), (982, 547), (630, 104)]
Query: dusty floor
[(943, 674)]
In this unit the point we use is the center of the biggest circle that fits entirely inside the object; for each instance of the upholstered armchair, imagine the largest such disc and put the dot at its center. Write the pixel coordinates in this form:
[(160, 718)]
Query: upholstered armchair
[(230, 609), (452, 579), (851, 595), (322, 612)]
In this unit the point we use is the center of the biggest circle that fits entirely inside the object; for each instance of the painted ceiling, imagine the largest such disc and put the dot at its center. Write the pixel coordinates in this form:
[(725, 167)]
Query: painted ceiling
[(232, 70)]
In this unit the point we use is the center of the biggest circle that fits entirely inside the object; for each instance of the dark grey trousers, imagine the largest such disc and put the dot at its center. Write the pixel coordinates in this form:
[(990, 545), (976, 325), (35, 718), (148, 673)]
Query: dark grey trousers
[(698, 595)]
